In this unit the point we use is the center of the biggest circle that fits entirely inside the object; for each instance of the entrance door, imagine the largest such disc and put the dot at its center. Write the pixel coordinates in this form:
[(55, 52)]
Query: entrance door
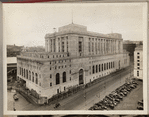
[(81, 76)]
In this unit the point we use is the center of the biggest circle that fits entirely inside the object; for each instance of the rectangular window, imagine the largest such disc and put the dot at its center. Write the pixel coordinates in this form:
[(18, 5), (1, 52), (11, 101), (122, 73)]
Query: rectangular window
[(50, 84), (137, 73), (92, 47), (51, 45), (62, 46), (138, 57), (138, 64), (80, 46), (138, 67)]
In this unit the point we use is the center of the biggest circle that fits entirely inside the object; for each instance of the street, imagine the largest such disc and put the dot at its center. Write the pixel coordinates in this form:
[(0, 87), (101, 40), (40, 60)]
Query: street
[(79, 101)]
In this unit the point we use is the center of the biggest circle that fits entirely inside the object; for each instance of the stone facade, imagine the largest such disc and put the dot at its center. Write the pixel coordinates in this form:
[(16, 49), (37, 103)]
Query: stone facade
[(138, 62), (73, 56)]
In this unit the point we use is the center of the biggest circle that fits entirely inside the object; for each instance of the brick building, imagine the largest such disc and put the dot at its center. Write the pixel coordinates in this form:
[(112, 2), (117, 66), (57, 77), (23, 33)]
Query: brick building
[(73, 56)]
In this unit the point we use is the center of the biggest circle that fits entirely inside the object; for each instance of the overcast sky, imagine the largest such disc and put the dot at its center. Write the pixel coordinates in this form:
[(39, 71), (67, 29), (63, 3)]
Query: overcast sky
[(27, 24)]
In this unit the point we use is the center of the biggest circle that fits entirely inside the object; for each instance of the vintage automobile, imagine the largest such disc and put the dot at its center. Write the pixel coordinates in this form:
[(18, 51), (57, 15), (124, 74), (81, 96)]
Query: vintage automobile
[(15, 97)]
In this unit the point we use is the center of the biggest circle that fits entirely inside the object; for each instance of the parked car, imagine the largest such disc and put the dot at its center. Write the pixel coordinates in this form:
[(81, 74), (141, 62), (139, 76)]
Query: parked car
[(140, 102), (140, 107), (15, 97), (57, 105)]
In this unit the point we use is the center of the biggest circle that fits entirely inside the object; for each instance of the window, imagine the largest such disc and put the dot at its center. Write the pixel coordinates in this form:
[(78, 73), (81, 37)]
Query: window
[(70, 78), (50, 83), (137, 73), (89, 46), (36, 78), (59, 46), (138, 67), (64, 77), (111, 65), (138, 60), (57, 79), (50, 75), (93, 69), (32, 76), (55, 67), (50, 62), (62, 46), (80, 46), (138, 53), (107, 65), (51, 45), (67, 43), (64, 88), (138, 64), (92, 47), (138, 57), (70, 71), (102, 67), (96, 68)]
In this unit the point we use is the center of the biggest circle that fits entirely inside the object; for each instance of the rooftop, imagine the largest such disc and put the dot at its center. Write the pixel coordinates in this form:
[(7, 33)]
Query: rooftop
[(139, 47), (80, 29)]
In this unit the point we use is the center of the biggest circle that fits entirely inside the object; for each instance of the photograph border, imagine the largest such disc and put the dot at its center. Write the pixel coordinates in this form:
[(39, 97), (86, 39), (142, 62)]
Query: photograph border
[(145, 22)]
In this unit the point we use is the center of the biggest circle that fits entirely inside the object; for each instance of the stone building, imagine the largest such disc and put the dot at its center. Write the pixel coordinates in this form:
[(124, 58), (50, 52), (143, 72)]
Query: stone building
[(73, 56), (138, 62)]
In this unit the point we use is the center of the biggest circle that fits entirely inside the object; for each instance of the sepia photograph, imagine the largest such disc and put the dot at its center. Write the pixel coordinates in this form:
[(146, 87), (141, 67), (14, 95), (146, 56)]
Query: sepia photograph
[(74, 56)]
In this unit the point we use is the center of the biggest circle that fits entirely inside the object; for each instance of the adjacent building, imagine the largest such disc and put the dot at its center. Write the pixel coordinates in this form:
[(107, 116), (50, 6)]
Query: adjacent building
[(73, 56), (138, 62)]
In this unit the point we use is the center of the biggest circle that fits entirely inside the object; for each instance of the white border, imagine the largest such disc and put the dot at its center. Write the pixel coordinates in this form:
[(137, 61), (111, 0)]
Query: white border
[(85, 111)]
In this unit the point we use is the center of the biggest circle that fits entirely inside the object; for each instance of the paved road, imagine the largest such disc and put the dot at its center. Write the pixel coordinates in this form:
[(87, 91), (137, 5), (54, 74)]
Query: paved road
[(77, 101)]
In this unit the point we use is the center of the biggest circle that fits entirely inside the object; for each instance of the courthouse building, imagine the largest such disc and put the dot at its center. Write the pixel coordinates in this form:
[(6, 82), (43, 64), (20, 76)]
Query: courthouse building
[(73, 56), (138, 62)]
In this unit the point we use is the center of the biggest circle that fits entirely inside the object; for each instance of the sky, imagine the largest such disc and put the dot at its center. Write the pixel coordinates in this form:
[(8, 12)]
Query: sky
[(27, 24)]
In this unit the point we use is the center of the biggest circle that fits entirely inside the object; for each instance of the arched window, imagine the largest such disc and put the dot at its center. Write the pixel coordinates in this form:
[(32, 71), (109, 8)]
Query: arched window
[(36, 78), (32, 76), (24, 73), (93, 69), (27, 74), (57, 79), (64, 76), (107, 65), (96, 68)]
